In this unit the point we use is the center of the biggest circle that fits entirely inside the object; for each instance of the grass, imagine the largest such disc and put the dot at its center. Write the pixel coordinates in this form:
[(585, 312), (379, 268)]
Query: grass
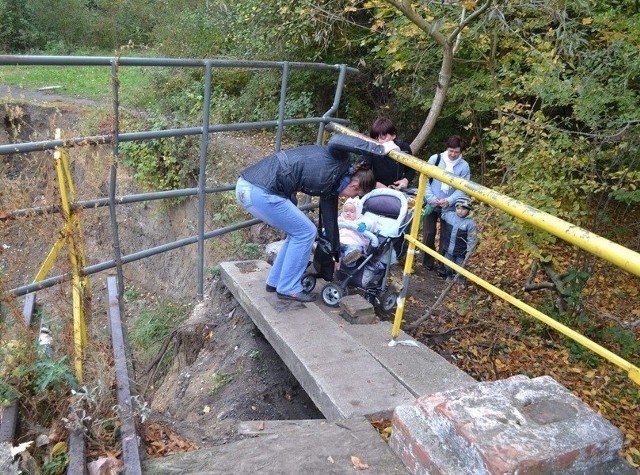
[(152, 326), (131, 294), (220, 380), (91, 82)]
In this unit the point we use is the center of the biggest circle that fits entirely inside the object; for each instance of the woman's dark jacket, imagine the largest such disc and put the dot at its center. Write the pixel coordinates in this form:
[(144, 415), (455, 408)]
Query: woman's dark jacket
[(386, 170), (316, 170)]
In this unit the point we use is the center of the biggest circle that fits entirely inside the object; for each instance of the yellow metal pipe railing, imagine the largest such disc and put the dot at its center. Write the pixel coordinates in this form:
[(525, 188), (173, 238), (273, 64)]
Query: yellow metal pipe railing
[(632, 371), (72, 235), (590, 242)]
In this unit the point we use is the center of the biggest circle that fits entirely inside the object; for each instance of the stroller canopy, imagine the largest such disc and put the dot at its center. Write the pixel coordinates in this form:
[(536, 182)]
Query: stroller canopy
[(388, 207)]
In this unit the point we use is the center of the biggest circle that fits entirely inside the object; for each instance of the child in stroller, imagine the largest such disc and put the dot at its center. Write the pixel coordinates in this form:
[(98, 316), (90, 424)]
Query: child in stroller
[(355, 232), (389, 209)]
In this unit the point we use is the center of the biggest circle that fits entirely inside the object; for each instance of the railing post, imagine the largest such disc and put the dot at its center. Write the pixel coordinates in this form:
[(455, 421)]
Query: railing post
[(115, 152), (281, 106), (336, 102), (202, 178)]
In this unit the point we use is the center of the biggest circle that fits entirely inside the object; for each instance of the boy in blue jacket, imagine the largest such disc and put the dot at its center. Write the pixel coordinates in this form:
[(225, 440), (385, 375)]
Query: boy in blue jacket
[(459, 236)]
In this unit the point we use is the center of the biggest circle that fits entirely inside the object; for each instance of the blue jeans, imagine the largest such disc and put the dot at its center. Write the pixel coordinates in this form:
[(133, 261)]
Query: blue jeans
[(293, 258), (448, 270)]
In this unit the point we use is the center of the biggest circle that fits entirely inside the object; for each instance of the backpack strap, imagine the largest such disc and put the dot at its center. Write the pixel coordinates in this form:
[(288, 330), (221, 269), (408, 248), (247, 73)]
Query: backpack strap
[(436, 164)]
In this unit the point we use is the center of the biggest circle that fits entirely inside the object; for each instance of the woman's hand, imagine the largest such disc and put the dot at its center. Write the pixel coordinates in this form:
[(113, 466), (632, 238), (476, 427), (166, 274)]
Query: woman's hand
[(389, 146), (400, 184)]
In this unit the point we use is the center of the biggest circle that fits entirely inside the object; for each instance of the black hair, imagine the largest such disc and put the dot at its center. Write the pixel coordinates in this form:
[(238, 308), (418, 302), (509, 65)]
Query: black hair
[(382, 126), (366, 179), (455, 141)]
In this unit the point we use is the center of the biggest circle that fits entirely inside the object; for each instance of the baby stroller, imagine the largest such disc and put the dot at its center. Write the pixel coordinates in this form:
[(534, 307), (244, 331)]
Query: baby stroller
[(389, 208)]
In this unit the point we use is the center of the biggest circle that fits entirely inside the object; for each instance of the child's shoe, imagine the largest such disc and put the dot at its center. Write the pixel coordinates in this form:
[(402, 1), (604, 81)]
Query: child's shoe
[(351, 257)]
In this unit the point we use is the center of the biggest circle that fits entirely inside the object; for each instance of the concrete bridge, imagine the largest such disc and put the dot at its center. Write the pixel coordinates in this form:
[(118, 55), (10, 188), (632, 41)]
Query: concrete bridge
[(444, 422)]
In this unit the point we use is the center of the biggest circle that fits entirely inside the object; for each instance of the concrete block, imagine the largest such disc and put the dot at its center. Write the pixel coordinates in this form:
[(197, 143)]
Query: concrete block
[(357, 310), (513, 426)]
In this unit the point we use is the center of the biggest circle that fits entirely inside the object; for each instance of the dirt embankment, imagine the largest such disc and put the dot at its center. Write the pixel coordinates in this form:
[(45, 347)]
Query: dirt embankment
[(225, 371)]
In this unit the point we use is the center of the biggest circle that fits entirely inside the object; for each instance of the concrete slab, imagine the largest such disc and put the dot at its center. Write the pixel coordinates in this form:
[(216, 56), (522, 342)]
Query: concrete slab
[(347, 370), (419, 369), (289, 447), (341, 378)]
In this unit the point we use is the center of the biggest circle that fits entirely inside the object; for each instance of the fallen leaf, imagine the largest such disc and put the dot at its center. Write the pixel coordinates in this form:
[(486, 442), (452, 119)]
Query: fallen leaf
[(20, 448), (358, 464), (58, 449), (261, 425)]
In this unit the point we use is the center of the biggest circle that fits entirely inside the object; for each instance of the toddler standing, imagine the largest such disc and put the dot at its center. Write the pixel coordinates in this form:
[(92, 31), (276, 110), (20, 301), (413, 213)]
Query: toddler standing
[(459, 235)]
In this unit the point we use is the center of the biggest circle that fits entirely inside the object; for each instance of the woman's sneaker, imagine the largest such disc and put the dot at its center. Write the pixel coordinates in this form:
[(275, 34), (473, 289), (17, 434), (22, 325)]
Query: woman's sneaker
[(300, 296)]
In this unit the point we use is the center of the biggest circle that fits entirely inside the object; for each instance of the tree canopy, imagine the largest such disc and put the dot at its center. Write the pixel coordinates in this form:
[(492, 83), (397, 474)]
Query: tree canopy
[(546, 93)]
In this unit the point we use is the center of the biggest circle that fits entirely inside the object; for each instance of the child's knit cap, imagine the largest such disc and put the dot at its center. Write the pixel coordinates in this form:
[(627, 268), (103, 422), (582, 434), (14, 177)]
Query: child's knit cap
[(355, 202)]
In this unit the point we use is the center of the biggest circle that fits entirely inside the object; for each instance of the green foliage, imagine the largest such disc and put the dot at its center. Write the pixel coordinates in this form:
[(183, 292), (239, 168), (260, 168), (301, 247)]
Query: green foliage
[(192, 32), (15, 355), (19, 32), (220, 380), (63, 25), (163, 164), (32, 25), (624, 343), (8, 393), (257, 100), (533, 326), (627, 197), (571, 313), (250, 250), (226, 209), (236, 243), (574, 283), (57, 465), (152, 327), (131, 294), (582, 354), (29, 374), (48, 374)]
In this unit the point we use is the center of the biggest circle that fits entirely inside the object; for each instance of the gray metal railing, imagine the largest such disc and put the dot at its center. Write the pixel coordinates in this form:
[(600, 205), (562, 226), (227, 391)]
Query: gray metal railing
[(116, 137)]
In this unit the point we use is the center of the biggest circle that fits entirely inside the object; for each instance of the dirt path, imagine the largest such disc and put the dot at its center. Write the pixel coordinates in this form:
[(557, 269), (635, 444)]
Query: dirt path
[(15, 93)]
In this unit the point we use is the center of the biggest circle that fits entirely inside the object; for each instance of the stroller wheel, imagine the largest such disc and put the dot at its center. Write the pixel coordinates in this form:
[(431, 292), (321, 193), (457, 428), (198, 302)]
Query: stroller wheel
[(308, 282), (331, 294), (388, 300)]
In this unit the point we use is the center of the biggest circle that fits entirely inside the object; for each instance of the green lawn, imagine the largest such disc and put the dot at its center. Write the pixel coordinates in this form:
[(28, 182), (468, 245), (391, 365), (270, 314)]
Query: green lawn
[(91, 82)]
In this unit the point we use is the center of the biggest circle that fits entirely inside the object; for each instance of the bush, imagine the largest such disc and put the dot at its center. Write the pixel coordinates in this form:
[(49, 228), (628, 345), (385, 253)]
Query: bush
[(163, 164)]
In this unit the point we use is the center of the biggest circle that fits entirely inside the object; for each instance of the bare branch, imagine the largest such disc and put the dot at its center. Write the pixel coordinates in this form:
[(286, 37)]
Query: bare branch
[(442, 296), (467, 21)]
